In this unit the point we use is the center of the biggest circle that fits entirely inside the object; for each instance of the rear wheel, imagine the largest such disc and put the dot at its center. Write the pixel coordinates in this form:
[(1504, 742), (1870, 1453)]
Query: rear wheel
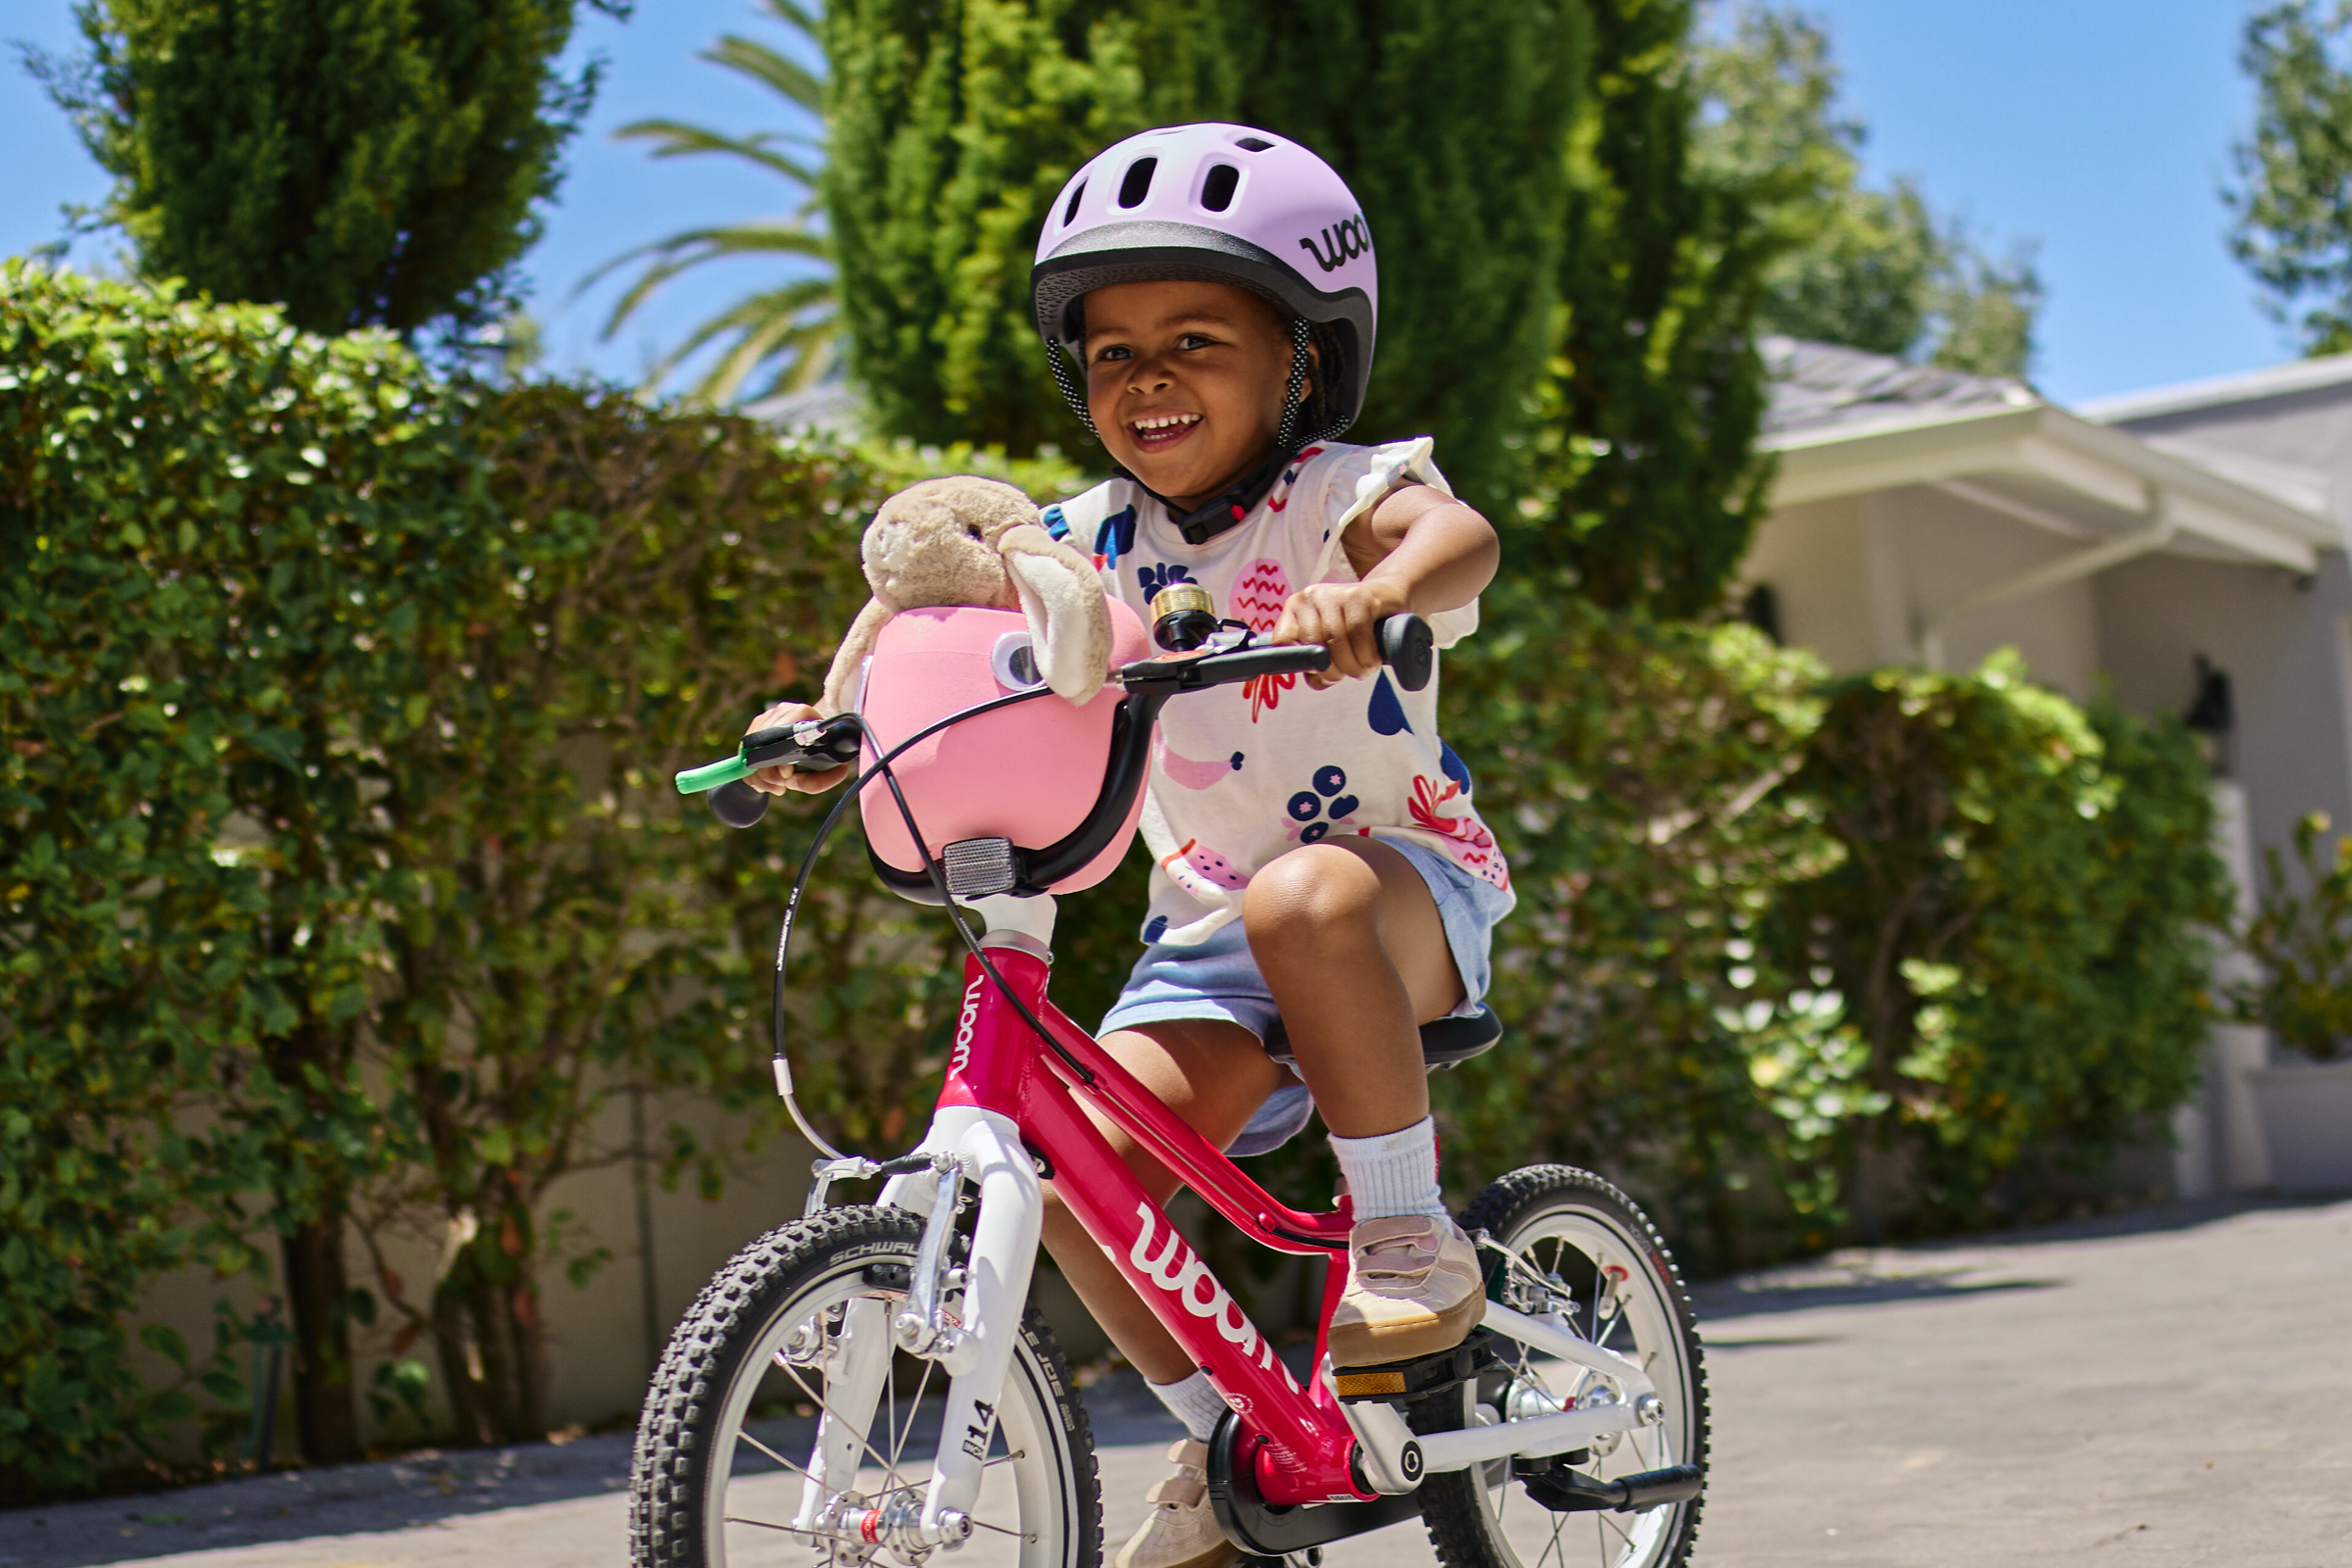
[(729, 1423), (1579, 1248)]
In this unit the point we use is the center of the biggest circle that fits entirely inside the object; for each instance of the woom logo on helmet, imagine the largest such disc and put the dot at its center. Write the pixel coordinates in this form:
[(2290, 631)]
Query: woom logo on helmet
[(1350, 239)]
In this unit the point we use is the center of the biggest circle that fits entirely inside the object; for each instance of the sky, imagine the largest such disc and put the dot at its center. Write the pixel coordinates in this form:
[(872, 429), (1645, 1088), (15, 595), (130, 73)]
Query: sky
[(2098, 131)]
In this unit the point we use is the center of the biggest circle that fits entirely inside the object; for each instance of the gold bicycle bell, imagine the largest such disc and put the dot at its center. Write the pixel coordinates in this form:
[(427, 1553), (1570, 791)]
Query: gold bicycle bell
[(1183, 616)]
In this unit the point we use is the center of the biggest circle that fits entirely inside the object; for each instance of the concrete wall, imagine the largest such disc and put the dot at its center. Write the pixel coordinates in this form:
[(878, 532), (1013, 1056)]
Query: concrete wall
[(601, 1344)]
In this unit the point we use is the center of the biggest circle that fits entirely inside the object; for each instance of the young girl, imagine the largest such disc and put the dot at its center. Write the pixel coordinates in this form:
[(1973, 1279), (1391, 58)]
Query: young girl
[(1318, 859)]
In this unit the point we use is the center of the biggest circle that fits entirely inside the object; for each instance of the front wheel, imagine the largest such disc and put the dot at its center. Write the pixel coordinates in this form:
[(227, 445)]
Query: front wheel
[(725, 1436), (1577, 1247)]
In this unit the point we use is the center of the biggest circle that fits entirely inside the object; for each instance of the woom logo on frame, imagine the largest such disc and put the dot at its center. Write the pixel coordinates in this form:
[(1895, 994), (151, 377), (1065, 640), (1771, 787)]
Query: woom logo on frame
[(1183, 1276)]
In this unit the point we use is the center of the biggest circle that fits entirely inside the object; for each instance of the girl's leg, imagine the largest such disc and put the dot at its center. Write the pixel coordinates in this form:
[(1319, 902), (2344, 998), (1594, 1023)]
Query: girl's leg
[(1352, 947), (1212, 1074), (1350, 944)]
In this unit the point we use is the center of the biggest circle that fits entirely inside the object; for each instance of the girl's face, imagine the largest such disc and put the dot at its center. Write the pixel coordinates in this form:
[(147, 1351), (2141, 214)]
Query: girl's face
[(1185, 381)]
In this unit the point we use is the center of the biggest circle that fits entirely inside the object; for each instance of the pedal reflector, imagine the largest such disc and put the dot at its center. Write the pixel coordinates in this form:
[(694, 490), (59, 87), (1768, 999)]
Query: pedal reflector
[(1368, 1385)]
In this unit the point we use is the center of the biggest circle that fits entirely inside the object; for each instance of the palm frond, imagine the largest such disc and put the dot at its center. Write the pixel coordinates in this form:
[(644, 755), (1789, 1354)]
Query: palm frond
[(675, 138), (794, 327), (796, 319), (769, 67)]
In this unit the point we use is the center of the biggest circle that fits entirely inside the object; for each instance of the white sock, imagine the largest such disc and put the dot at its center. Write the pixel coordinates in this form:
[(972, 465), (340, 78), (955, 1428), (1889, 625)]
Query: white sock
[(1195, 1401), (1395, 1173)]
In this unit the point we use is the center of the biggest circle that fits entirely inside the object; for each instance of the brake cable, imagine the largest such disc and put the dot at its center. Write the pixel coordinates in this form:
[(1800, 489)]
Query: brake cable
[(792, 903)]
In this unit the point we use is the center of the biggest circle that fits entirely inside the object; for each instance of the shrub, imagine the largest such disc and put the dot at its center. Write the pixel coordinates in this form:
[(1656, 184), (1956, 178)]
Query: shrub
[(338, 714)]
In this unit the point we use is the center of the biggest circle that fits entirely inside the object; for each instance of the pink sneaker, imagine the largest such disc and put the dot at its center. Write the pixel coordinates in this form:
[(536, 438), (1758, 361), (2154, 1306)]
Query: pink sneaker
[(1413, 1289)]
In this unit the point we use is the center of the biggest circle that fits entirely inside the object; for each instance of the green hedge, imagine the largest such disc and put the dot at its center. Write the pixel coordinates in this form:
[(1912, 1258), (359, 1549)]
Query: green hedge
[(1803, 961), (337, 710)]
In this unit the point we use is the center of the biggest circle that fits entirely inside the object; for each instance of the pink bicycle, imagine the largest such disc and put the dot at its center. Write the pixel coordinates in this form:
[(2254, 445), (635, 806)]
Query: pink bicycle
[(1573, 1419)]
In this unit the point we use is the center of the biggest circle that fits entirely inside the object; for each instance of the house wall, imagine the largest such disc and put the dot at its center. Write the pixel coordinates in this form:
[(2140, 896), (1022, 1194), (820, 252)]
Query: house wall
[(2282, 640), (1855, 577), (1815, 559), (2286, 643)]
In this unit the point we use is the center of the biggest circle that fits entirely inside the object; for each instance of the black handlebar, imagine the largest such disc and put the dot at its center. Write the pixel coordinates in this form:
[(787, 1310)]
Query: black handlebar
[(1407, 647)]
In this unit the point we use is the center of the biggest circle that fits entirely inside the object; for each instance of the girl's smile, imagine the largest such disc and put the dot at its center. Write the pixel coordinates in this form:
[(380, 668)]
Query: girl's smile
[(1185, 381)]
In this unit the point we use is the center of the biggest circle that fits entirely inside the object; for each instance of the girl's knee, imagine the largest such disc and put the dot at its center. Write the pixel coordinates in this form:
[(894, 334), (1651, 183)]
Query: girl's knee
[(1314, 893)]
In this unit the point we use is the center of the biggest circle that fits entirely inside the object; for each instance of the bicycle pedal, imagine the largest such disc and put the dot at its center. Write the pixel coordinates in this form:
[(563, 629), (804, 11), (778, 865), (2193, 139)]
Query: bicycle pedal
[(1397, 1381), (1566, 1490)]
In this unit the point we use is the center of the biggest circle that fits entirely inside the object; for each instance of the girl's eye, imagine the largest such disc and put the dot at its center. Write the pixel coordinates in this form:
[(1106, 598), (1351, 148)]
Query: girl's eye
[(1114, 351), (1194, 340)]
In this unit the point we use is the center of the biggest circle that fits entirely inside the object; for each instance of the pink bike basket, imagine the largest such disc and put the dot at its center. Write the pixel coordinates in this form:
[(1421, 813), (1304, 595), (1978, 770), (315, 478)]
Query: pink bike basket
[(1029, 772)]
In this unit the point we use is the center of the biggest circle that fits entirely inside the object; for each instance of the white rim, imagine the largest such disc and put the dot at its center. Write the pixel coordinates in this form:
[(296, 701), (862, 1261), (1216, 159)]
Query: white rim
[(1644, 1326)]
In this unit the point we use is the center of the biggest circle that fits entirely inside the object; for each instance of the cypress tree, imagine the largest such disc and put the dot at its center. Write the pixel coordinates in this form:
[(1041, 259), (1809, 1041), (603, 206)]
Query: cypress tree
[(950, 127), (1448, 118), (1648, 487), (364, 163)]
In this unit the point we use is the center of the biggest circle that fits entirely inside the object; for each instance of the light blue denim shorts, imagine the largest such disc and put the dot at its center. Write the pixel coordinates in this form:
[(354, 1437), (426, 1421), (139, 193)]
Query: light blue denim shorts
[(1219, 978)]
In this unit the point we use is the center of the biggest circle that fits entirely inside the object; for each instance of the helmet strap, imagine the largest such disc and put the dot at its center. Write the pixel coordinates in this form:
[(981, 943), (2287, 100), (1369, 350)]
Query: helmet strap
[(1203, 524)]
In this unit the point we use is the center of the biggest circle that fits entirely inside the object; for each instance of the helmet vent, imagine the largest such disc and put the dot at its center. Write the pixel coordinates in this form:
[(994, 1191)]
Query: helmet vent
[(1216, 192), (1138, 183), (1252, 144), (1069, 214)]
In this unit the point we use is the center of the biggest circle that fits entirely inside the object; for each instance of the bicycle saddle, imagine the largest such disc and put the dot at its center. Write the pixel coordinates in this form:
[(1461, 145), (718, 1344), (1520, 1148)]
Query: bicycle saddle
[(1444, 1042)]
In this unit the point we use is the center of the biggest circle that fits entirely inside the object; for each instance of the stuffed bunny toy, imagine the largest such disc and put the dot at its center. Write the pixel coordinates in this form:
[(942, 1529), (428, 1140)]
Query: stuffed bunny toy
[(963, 540)]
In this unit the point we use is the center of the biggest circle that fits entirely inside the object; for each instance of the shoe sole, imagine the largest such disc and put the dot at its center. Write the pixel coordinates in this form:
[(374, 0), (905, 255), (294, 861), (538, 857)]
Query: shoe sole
[(1224, 1552), (1373, 1343)]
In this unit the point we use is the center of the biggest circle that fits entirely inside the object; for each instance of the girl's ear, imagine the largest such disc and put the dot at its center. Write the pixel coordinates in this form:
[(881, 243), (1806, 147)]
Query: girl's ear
[(1062, 599)]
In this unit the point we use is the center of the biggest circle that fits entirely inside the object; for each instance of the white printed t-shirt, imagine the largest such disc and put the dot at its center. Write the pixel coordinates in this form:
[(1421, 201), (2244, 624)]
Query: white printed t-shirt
[(1242, 773)]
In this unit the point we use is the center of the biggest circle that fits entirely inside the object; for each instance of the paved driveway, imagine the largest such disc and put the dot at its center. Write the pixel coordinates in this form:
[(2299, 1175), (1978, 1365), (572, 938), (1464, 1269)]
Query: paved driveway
[(2172, 1388)]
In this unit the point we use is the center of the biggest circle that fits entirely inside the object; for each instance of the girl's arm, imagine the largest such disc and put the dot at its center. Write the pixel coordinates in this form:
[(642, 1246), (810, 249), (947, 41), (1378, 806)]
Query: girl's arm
[(1416, 549)]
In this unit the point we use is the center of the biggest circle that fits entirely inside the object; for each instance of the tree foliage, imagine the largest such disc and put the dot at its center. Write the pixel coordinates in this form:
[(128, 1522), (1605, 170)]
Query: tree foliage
[(1645, 486), (2292, 230), (1870, 268), (362, 163), (1464, 206)]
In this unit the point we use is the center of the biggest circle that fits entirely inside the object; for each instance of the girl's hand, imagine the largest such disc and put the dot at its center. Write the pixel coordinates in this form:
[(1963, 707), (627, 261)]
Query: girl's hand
[(776, 778), (1340, 615)]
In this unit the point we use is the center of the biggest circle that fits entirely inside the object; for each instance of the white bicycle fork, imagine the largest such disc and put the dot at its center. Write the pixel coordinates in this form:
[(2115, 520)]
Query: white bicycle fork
[(974, 1347)]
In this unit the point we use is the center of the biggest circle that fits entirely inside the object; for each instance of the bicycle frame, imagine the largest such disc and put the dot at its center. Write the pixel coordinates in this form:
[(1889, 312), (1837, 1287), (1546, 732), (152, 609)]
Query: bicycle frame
[(1014, 1110)]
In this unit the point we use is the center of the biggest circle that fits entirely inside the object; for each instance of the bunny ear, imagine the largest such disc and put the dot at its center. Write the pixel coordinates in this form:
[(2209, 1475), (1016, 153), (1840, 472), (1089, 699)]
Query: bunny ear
[(841, 680), (1062, 597)]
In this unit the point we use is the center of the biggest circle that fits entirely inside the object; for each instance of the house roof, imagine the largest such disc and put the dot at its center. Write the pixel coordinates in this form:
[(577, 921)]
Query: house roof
[(2251, 386), (1845, 422), (1821, 386)]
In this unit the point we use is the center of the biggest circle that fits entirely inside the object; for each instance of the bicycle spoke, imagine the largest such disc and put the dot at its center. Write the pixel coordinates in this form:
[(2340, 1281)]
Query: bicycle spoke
[(888, 1471), (773, 1455), (922, 1385)]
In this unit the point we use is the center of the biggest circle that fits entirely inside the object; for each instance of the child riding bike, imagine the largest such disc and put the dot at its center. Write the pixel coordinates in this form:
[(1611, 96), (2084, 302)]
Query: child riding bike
[(1318, 862)]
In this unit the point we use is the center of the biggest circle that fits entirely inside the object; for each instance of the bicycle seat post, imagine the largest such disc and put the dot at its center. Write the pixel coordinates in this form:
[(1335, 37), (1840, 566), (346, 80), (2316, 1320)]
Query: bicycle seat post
[(1026, 924)]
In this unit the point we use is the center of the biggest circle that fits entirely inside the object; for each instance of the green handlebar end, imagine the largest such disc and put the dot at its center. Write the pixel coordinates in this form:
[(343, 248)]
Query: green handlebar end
[(695, 780)]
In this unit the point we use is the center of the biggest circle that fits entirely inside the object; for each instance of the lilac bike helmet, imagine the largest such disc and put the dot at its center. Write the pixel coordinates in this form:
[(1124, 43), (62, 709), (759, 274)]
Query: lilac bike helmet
[(1223, 204)]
